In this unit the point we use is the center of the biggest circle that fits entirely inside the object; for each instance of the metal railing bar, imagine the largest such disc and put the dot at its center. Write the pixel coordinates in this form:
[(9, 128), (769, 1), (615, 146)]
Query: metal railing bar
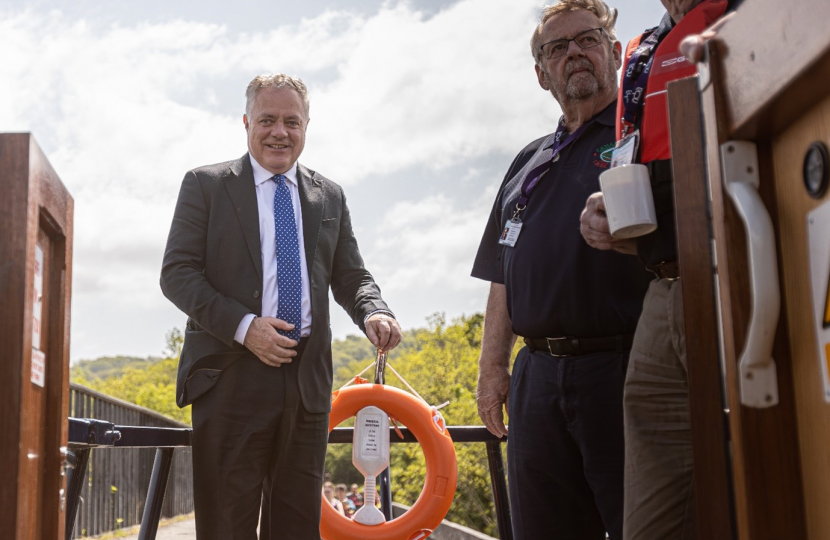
[(140, 436), (385, 482), (155, 494), (88, 432), (75, 477), (459, 434), (500, 499), (155, 437)]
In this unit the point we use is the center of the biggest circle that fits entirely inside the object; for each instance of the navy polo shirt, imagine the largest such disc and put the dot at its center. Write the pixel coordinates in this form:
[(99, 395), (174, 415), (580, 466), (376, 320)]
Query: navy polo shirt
[(557, 285)]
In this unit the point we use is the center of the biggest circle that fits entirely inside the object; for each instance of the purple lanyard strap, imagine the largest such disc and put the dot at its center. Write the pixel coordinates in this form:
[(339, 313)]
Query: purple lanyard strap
[(533, 177)]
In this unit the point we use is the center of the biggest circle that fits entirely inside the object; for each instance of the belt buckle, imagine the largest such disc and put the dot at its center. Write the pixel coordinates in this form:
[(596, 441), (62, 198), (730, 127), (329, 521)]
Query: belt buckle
[(661, 270), (550, 351)]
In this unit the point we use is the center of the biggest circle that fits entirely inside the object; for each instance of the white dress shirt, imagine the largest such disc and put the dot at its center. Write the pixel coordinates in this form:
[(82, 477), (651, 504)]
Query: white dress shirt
[(265, 189)]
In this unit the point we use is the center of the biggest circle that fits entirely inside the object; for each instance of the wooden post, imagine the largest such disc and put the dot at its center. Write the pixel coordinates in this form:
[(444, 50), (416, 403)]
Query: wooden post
[(706, 391), (36, 216)]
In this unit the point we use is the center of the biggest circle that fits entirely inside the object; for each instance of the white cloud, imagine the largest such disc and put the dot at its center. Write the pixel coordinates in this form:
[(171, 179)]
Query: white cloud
[(431, 243), (124, 110), (437, 92), (423, 255)]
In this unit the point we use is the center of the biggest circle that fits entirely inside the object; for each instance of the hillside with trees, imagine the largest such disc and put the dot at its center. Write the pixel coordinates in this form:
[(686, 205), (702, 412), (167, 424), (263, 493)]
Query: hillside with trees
[(439, 361)]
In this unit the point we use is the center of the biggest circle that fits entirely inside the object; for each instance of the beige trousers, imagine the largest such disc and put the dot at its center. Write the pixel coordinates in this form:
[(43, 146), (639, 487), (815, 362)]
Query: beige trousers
[(659, 494)]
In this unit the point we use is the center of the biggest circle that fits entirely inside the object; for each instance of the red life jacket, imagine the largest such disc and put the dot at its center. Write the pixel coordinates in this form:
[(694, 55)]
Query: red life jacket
[(669, 65)]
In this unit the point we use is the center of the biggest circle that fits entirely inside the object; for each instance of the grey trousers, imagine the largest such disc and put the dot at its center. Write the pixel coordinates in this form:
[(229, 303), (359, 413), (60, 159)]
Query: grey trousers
[(659, 501)]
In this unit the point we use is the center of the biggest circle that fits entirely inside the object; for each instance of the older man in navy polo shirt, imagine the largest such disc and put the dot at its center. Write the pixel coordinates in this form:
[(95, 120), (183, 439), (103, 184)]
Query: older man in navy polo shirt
[(575, 307)]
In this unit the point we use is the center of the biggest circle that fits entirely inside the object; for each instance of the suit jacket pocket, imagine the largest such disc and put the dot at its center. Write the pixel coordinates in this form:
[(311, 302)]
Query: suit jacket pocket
[(200, 381), (205, 373), (331, 222)]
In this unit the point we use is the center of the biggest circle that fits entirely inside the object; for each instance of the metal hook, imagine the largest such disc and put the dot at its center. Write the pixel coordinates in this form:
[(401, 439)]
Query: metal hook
[(380, 366)]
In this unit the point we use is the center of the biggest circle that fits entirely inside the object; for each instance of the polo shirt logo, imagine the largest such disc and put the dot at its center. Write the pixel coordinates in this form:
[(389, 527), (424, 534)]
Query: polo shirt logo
[(602, 156)]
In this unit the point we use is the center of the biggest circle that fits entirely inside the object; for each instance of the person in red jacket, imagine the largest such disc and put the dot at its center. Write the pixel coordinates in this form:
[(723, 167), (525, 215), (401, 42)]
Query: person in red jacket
[(659, 492)]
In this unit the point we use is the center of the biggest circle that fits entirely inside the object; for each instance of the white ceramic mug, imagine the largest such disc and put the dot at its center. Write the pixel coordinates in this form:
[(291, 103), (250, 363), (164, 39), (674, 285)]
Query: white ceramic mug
[(629, 203)]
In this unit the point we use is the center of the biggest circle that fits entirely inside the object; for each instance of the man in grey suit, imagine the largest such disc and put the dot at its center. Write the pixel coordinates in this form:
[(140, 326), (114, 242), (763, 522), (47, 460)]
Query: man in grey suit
[(254, 246)]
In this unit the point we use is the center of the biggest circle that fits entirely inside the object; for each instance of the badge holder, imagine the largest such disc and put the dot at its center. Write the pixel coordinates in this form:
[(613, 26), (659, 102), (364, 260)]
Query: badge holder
[(625, 152), (512, 228)]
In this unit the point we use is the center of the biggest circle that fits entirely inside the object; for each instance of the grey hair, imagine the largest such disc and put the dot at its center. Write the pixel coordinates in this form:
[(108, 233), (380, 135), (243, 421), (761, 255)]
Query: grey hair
[(274, 80), (607, 18)]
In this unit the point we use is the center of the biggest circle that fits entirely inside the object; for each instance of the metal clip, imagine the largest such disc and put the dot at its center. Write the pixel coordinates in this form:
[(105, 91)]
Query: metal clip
[(380, 366), (519, 209)]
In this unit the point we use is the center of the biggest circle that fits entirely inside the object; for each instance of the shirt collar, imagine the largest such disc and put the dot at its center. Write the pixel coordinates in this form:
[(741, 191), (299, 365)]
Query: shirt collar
[(667, 23), (607, 117), (262, 175)]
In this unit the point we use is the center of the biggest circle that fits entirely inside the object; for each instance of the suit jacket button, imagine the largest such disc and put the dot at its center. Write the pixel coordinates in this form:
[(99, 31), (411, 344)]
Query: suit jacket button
[(256, 294)]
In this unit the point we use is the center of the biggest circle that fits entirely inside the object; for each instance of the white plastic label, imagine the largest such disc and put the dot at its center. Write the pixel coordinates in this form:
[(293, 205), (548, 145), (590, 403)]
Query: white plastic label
[(370, 442)]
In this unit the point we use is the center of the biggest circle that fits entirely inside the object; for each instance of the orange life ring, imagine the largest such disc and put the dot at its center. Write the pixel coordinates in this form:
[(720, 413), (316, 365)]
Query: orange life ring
[(442, 472)]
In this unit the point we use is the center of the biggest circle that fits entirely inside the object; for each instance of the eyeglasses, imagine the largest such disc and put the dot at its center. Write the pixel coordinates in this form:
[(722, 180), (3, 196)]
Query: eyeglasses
[(559, 47)]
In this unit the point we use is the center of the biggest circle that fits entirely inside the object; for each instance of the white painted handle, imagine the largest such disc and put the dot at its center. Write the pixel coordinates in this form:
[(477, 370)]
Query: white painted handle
[(758, 379)]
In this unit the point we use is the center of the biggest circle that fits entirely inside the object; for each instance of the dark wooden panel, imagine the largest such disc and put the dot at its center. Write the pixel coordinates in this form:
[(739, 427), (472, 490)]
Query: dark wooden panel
[(14, 197), (709, 429)]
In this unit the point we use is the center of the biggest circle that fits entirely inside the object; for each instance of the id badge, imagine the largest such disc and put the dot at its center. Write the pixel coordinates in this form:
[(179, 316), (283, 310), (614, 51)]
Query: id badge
[(510, 233), (626, 150)]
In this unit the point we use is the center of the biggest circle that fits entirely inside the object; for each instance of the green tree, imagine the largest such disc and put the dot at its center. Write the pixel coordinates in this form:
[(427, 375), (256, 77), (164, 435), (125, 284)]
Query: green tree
[(150, 383), (105, 367)]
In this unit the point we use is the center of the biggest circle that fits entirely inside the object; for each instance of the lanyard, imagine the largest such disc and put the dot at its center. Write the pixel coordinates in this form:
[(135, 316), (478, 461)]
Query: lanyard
[(533, 177), (636, 75)]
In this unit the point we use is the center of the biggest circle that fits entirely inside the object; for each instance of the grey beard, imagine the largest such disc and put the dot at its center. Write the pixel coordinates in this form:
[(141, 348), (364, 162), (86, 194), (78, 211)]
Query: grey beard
[(600, 81), (582, 90)]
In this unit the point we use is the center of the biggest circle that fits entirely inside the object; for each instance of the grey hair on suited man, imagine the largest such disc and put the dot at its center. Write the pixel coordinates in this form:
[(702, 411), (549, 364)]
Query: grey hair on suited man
[(274, 80), (607, 19)]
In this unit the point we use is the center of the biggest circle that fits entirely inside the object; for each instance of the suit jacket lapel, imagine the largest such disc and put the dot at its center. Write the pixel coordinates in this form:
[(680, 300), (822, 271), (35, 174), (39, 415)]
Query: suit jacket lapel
[(311, 201), (242, 191)]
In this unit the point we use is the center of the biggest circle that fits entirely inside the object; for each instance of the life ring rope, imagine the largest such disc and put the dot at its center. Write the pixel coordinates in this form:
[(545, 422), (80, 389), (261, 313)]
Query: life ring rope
[(357, 379)]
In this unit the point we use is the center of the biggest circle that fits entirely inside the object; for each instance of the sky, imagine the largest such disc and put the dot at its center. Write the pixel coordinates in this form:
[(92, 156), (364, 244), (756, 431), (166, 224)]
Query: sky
[(417, 109)]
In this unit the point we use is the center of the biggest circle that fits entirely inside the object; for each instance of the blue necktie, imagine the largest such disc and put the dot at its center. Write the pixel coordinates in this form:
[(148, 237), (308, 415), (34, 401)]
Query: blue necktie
[(289, 280)]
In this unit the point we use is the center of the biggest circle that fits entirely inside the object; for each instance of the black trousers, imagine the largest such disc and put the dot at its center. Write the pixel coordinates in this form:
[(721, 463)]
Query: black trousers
[(565, 452), (256, 450)]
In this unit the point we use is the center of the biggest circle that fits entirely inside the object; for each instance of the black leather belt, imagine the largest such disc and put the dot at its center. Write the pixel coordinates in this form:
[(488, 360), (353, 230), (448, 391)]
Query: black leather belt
[(571, 346), (666, 270)]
